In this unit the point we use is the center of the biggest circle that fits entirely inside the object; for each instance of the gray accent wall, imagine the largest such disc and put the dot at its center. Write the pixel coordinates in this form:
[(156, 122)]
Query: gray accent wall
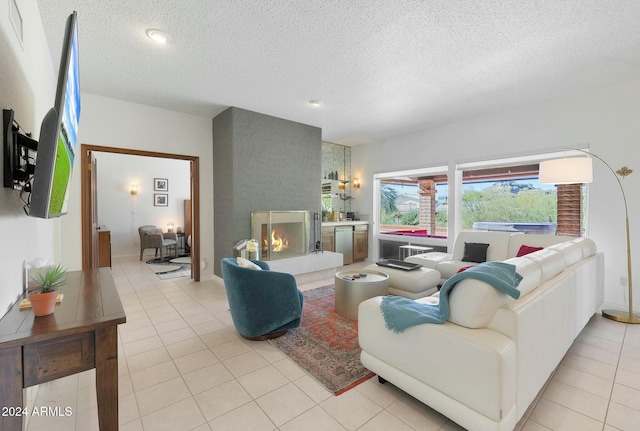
[(261, 163)]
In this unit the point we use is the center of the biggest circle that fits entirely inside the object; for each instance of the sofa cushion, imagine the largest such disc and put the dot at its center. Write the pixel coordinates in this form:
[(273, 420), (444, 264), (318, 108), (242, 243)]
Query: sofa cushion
[(587, 245), (571, 252), (533, 240), (526, 249), (499, 243), (473, 303), (429, 260), (475, 252), (529, 270), (550, 261)]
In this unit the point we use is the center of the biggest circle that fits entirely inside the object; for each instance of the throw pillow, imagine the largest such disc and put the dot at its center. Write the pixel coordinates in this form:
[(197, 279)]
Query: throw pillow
[(246, 263), (464, 268), (475, 252), (526, 249)]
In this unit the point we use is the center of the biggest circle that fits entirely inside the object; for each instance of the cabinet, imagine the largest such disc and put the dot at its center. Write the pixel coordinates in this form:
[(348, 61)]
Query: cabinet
[(344, 243), (104, 247), (360, 242), (355, 243), (328, 243)]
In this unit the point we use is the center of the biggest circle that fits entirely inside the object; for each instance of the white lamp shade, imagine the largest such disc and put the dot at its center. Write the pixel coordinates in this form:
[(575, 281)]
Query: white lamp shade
[(571, 170)]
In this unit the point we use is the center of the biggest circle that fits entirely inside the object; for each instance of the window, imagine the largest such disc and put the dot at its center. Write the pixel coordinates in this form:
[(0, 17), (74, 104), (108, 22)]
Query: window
[(510, 198), (413, 204), (427, 206)]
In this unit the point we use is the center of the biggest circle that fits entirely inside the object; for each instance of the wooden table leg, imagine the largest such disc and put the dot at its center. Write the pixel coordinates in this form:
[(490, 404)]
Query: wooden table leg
[(107, 377), (11, 389)]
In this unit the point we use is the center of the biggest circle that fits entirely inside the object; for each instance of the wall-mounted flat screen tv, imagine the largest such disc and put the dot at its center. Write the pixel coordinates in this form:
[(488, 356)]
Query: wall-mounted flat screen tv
[(58, 134)]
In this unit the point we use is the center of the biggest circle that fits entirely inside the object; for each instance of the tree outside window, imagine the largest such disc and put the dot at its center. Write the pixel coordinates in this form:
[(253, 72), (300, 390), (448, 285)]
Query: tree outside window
[(497, 205), (511, 198), (414, 205)]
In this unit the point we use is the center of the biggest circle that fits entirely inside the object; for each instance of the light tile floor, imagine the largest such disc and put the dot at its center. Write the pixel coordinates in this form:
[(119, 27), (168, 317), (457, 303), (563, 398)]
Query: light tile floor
[(183, 367)]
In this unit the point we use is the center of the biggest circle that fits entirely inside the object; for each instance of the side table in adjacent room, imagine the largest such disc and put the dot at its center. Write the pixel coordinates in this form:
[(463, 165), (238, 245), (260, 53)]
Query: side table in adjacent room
[(181, 243)]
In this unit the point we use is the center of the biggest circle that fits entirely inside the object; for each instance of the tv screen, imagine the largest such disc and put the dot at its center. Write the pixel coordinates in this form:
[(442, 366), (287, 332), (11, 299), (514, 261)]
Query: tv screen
[(58, 134)]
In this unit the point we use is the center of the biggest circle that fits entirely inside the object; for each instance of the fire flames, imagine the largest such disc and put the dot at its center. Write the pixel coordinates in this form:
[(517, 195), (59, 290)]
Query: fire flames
[(278, 243)]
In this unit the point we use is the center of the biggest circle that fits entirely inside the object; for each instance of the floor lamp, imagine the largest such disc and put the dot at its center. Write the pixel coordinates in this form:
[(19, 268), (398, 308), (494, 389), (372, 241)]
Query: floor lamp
[(572, 170)]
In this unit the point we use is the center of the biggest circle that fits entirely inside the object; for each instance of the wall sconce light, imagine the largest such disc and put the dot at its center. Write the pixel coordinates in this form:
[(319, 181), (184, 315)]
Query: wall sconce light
[(170, 227), (134, 189), (356, 183)]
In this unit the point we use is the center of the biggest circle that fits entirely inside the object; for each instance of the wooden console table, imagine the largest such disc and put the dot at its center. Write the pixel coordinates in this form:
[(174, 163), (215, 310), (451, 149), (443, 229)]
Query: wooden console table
[(80, 335)]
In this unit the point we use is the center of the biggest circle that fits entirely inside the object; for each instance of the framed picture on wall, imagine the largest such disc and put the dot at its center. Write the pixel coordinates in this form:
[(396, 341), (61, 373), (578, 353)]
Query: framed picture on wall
[(160, 200), (160, 184)]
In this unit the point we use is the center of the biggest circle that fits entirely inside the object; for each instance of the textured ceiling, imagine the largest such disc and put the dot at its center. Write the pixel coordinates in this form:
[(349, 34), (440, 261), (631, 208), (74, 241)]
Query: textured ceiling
[(382, 68)]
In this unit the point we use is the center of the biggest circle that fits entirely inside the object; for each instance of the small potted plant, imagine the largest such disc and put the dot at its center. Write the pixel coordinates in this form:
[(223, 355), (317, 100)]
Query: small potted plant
[(325, 214), (44, 287)]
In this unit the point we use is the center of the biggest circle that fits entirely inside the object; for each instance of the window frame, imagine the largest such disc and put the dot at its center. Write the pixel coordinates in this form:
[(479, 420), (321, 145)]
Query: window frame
[(454, 171), (438, 170), (512, 161)]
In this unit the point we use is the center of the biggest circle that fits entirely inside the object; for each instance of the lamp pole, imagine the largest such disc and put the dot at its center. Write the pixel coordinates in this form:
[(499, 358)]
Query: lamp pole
[(620, 315)]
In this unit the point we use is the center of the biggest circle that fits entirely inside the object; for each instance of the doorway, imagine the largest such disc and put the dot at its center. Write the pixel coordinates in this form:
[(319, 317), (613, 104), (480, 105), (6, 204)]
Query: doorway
[(88, 201)]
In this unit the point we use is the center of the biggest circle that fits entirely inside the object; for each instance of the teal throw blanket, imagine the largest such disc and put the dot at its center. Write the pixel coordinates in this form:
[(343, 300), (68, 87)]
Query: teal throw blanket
[(400, 313)]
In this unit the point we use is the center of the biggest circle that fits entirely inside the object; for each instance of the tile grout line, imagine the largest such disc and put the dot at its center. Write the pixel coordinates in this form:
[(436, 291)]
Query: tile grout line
[(606, 415)]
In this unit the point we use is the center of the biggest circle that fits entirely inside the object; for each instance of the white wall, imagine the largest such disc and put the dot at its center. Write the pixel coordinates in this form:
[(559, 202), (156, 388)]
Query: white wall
[(27, 86), (123, 212), (115, 123), (606, 119)]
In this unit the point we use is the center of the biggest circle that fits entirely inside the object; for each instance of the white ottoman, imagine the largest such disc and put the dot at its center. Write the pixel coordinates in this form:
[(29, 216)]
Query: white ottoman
[(413, 284)]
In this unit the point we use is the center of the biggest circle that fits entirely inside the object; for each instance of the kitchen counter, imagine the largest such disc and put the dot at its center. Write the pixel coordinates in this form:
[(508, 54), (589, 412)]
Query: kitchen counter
[(344, 223)]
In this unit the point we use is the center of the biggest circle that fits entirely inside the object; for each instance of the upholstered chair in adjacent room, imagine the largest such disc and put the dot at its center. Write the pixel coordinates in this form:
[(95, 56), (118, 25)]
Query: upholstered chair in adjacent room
[(264, 304), (152, 237)]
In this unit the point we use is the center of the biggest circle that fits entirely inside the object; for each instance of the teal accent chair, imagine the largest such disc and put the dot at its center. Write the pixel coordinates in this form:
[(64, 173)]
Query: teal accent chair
[(264, 304)]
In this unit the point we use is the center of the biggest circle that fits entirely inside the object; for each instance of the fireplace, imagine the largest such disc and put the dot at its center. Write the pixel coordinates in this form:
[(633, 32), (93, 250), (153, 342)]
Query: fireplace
[(281, 234)]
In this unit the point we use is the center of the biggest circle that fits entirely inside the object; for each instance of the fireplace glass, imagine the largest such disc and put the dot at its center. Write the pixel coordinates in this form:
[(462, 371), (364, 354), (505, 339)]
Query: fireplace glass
[(281, 234)]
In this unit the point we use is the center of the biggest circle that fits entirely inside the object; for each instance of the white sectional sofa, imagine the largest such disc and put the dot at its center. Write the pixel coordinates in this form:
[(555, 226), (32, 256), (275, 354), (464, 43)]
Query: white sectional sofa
[(502, 246), (484, 366)]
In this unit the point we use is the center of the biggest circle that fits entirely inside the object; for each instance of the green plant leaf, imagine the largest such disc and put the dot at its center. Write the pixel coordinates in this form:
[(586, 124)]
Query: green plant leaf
[(53, 278)]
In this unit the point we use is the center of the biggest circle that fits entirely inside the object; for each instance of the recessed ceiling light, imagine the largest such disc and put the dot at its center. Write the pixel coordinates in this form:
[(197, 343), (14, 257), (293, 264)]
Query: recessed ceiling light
[(315, 103), (158, 36)]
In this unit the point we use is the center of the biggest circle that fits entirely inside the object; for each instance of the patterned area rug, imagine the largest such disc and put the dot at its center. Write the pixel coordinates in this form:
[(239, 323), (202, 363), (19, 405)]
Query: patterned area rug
[(325, 344), (171, 266)]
